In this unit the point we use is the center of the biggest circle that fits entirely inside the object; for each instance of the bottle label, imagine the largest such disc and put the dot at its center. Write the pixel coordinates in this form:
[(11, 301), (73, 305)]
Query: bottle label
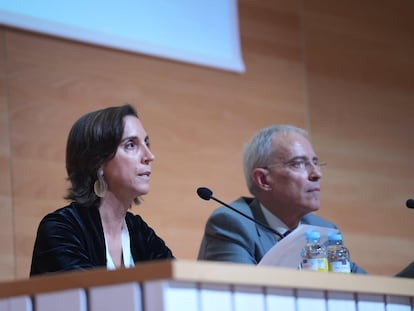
[(341, 266), (316, 264)]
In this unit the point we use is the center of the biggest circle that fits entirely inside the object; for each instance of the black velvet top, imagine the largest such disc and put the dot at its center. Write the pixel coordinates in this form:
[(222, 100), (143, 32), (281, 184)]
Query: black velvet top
[(72, 238)]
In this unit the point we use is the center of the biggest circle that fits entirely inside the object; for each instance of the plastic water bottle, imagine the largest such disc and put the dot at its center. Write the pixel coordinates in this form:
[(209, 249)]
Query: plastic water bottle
[(314, 256), (338, 255)]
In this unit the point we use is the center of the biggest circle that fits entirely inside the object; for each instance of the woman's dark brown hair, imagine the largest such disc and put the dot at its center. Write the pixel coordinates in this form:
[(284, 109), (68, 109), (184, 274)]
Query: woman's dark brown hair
[(92, 141)]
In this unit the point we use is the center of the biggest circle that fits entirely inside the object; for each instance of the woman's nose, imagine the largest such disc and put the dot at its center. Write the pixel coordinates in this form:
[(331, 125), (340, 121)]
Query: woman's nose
[(148, 155)]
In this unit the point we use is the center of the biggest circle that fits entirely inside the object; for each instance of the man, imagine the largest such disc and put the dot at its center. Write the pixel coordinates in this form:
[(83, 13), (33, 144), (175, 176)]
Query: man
[(283, 174)]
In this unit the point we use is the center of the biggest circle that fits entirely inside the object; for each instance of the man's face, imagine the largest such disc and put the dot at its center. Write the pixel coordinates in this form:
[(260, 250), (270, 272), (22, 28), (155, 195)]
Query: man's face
[(294, 175)]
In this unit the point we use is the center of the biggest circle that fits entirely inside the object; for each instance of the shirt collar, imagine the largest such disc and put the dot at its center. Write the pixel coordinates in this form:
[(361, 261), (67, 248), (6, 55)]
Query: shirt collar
[(274, 222)]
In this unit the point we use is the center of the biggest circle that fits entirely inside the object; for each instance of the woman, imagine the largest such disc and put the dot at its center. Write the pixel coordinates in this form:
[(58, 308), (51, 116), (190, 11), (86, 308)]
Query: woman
[(108, 162)]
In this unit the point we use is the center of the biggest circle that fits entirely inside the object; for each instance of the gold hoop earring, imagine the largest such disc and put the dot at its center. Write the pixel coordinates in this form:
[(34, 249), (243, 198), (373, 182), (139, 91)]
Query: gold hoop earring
[(99, 186)]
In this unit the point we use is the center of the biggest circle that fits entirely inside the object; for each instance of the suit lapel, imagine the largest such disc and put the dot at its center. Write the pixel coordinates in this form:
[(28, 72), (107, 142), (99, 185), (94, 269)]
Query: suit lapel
[(266, 239)]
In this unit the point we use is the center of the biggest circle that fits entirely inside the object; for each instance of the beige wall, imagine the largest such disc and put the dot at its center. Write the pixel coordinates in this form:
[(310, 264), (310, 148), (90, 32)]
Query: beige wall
[(341, 69)]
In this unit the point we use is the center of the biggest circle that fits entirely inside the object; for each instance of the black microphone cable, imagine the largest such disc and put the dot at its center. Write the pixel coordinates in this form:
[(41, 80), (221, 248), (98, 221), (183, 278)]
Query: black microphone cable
[(207, 194)]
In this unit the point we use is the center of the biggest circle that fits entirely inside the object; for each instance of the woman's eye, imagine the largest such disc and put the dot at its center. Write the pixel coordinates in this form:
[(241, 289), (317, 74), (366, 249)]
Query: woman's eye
[(147, 143), (130, 144)]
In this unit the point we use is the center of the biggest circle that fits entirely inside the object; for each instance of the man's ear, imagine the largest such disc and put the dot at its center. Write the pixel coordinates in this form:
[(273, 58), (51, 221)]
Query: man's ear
[(261, 178)]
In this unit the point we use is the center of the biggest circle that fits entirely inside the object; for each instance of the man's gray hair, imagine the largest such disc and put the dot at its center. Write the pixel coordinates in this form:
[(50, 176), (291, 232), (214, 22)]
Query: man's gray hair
[(259, 151)]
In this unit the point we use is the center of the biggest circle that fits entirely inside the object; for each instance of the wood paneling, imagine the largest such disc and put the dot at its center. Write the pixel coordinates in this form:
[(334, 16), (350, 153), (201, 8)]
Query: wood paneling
[(361, 103), (7, 257), (314, 64)]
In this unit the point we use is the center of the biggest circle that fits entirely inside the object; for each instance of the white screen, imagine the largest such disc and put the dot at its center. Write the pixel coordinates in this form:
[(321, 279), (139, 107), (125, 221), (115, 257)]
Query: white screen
[(202, 32)]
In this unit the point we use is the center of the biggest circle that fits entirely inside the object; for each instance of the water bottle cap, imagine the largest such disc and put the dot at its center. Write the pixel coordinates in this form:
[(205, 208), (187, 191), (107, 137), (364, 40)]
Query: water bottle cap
[(313, 235), (335, 237)]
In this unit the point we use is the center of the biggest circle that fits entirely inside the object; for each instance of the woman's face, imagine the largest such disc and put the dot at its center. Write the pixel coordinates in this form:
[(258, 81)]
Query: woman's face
[(128, 173)]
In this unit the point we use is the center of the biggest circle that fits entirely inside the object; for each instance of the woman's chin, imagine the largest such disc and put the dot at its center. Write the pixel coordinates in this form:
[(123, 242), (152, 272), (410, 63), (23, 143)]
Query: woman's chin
[(143, 191)]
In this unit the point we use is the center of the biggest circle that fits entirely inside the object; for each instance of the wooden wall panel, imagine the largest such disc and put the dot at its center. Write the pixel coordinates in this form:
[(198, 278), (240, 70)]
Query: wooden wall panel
[(7, 258), (361, 102), (198, 119), (310, 63)]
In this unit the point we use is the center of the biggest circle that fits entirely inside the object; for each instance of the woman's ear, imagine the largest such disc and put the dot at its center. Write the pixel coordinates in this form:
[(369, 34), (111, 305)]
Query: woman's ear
[(262, 178)]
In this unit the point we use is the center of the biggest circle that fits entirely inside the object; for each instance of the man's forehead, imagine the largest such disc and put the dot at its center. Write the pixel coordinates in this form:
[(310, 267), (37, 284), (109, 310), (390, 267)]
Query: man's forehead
[(291, 144)]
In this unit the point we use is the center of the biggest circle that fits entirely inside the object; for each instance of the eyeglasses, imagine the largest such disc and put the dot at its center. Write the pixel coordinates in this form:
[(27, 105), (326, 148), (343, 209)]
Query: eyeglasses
[(299, 164)]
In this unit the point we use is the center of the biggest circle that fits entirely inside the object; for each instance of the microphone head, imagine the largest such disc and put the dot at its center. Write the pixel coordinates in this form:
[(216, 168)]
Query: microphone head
[(204, 193), (410, 203)]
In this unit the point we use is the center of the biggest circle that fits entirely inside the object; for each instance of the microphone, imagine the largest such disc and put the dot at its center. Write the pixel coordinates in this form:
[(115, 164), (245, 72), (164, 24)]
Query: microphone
[(207, 194), (410, 203)]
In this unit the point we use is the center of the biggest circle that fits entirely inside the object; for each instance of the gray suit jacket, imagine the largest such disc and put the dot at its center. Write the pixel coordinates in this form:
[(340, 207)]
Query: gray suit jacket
[(231, 237)]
